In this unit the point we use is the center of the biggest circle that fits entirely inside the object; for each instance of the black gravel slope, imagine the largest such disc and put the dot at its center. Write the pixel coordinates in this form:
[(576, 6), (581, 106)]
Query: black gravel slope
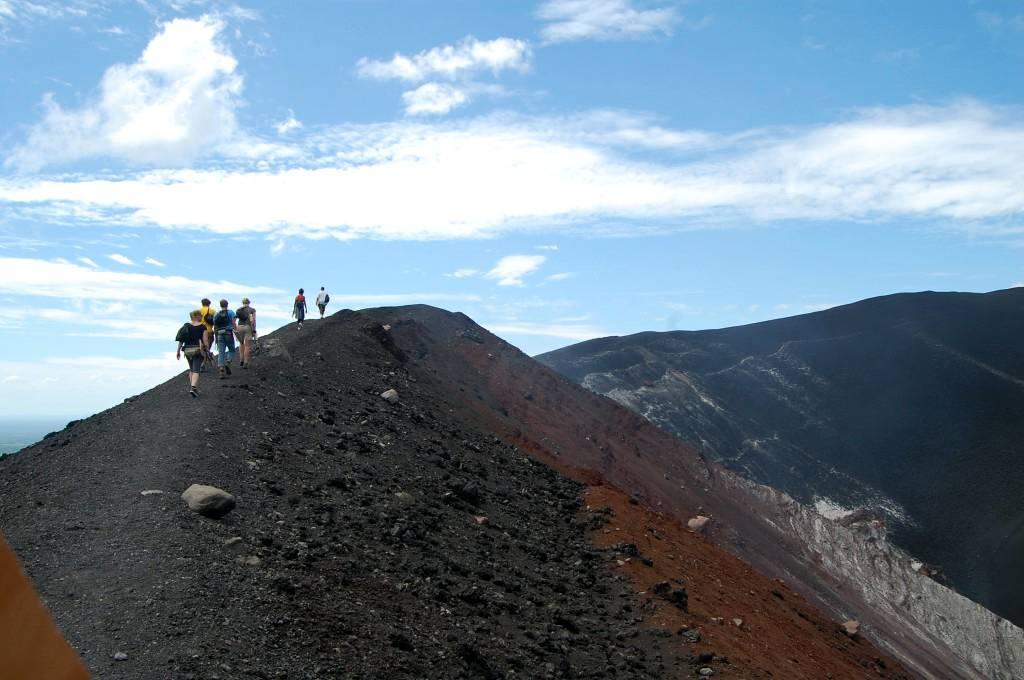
[(913, 398), (360, 551)]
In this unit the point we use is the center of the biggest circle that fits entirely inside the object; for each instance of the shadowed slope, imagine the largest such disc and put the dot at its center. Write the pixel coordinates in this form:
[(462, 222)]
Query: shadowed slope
[(909, 405)]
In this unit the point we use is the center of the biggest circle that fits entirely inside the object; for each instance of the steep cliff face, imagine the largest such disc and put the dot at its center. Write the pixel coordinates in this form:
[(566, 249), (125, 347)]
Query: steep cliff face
[(588, 435), (892, 581), (908, 406)]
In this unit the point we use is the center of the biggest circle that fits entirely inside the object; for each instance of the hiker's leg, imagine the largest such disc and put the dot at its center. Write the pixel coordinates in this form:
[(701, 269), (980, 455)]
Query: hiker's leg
[(220, 350), (194, 366)]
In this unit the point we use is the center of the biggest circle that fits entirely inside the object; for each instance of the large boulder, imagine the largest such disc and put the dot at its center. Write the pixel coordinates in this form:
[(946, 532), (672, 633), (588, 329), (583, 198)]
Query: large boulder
[(208, 501)]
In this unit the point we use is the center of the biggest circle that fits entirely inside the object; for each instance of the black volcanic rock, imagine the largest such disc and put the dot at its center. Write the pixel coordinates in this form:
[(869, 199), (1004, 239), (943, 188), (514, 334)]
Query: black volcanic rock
[(352, 561), (911, 405)]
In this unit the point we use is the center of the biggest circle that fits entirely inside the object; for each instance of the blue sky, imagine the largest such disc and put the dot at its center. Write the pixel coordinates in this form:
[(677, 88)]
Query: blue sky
[(558, 169)]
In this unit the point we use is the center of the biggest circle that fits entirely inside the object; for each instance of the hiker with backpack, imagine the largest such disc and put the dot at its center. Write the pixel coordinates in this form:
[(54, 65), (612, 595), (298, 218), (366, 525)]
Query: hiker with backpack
[(299, 308), (245, 331), (321, 301), (224, 331), (192, 339), (207, 312)]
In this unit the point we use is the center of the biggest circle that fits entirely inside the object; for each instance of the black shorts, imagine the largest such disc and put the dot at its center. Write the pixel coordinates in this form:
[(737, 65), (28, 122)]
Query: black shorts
[(195, 361)]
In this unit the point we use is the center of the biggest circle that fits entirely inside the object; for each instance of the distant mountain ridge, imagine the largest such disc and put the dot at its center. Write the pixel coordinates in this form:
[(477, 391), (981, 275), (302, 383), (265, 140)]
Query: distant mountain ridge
[(909, 405)]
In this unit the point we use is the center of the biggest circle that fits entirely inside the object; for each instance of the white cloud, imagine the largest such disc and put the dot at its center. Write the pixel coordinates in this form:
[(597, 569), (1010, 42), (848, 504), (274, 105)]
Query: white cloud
[(568, 20), (451, 62), (89, 261), (567, 331), (174, 103), (288, 125), (11, 379), (956, 165), (510, 270), (463, 273), (120, 259), (547, 247), (155, 262), (69, 281), (433, 98), (561, 276)]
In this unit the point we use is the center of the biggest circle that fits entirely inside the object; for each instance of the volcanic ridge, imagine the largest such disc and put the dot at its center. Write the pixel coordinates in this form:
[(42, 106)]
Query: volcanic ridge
[(493, 521)]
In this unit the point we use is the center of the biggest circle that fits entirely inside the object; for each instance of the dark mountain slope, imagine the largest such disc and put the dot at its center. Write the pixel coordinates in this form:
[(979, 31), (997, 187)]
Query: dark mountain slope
[(357, 517), (910, 404), (593, 438), (361, 554)]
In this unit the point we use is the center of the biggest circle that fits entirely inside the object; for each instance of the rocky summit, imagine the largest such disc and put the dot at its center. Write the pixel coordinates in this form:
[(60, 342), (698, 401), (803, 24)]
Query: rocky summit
[(329, 531)]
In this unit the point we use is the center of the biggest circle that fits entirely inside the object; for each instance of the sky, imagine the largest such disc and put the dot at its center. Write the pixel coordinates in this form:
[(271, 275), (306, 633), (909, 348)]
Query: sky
[(557, 169)]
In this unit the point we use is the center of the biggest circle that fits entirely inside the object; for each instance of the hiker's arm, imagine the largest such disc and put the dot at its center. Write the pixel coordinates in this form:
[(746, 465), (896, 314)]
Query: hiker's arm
[(252, 320), (177, 354)]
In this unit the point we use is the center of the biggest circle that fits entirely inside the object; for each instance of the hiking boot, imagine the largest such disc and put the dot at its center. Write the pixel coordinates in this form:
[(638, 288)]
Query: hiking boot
[(221, 373), (227, 367), (193, 392)]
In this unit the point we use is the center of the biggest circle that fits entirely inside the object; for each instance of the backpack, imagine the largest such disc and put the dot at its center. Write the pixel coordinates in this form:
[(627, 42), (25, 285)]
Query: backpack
[(182, 335), (221, 322), (208, 317), (327, 298), (243, 315)]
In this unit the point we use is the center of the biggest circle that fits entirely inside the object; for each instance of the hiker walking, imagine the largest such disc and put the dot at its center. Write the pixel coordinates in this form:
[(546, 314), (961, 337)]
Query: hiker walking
[(321, 301), (245, 331), (207, 312), (224, 330), (192, 339), (299, 309)]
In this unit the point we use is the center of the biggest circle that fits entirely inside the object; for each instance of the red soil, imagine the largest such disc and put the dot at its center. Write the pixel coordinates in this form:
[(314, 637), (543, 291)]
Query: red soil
[(779, 633)]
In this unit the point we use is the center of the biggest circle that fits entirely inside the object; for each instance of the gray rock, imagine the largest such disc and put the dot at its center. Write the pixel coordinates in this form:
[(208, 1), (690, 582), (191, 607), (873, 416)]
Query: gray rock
[(151, 492), (208, 501), (234, 542), (120, 656), (706, 672), (698, 524), (390, 396)]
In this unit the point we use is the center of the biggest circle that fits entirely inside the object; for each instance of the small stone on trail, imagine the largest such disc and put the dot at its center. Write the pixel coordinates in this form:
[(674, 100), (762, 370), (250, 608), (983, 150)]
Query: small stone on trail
[(390, 396), (481, 520), (851, 628), (706, 672), (250, 561), (120, 656), (208, 501), (738, 623), (152, 492), (698, 524), (233, 542)]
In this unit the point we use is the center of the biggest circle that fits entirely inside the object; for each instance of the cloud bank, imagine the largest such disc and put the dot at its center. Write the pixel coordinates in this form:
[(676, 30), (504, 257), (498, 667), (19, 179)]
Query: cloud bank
[(956, 164)]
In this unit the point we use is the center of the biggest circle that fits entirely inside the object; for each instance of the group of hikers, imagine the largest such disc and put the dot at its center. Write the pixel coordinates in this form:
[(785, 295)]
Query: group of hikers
[(223, 326)]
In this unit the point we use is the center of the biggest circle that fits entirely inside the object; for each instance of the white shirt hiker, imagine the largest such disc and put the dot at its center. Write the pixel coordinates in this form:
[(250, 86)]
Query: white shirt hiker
[(321, 299)]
